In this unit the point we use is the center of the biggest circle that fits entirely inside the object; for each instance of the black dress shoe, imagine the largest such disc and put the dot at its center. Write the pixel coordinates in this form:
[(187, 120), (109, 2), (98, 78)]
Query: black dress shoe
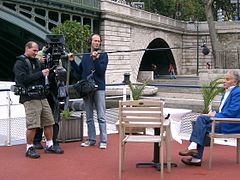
[(37, 146), (187, 152), (32, 153), (188, 161), (54, 149)]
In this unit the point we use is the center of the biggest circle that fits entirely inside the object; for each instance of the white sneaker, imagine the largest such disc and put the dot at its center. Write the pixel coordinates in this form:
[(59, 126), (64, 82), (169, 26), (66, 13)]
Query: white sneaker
[(103, 145), (87, 144)]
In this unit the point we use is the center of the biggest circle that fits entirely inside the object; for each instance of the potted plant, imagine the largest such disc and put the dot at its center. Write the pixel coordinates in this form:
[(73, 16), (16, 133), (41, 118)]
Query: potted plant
[(70, 127), (209, 91), (136, 89), (136, 93)]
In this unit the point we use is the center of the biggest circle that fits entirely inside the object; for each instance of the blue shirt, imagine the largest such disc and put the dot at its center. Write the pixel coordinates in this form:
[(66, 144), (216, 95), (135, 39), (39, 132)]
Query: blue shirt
[(226, 94), (86, 66)]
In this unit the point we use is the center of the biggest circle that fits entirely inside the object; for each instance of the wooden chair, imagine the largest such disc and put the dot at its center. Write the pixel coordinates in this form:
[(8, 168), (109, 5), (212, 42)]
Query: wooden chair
[(213, 135), (146, 114)]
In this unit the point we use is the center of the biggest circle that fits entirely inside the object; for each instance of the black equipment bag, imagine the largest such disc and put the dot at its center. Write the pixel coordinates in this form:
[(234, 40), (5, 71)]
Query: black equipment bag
[(85, 87)]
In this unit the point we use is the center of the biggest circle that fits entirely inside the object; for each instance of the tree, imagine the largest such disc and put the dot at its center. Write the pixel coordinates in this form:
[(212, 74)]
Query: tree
[(212, 31), (193, 9), (75, 34), (228, 8), (168, 8)]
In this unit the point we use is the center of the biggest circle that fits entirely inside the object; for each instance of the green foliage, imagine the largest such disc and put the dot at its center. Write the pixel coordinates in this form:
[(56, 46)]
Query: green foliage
[(228, 8), (75, 34), (189, 8), (136, 89), (193, 9), (66, 113), (163, 7), (209, 91)]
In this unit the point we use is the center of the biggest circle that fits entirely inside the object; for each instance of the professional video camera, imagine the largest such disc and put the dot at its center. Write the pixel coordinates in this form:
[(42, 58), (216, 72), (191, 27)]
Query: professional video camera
[(54, 53), (55, 48)]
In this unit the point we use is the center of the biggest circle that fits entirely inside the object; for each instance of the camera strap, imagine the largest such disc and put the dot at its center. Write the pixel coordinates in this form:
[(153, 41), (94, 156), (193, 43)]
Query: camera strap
[(31, 67)]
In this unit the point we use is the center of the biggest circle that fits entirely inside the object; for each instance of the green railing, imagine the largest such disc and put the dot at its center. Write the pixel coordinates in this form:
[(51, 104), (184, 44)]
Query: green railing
[(88, 4), (95, 4)]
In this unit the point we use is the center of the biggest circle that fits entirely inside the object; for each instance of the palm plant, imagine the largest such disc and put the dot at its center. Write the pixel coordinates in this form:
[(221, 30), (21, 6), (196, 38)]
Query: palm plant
[(66, 113), (209, 91), (136, 89)]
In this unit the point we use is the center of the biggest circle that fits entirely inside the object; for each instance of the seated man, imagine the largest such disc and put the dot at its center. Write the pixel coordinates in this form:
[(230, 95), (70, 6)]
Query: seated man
[(229, 107)]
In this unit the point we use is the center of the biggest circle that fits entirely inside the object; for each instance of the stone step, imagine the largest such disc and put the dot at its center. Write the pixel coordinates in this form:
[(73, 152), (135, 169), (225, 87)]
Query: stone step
[(179, 89), (183, 84), (176, 95), (187, 80)]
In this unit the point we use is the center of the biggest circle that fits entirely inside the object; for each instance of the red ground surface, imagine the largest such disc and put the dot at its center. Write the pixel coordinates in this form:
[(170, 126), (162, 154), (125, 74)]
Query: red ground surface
[(92, 163)]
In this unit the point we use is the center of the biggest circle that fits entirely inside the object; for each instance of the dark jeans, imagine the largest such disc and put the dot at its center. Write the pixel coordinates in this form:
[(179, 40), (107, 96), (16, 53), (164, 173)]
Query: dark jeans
[(201, 128)]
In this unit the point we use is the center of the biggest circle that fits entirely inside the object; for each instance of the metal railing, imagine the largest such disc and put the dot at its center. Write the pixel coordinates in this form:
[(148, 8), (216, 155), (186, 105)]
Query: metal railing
[(13, 128), (86, 3), (229, 59), (78, 3)]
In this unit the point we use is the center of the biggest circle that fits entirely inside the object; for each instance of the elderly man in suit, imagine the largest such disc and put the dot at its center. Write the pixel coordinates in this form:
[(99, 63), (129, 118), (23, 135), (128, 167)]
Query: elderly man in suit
[(229, 107)]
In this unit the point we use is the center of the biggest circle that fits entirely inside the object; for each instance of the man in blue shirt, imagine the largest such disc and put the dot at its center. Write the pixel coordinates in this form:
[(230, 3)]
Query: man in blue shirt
[(97, 62), (229, 108)]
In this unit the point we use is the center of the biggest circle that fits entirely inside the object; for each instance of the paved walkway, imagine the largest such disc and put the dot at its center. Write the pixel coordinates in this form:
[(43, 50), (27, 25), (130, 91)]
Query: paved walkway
[(78, 163)]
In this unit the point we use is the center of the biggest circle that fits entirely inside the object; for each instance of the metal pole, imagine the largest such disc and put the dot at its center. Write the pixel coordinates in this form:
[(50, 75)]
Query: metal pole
[(238, 10), (9, 119), (197, 48), (149, 5)]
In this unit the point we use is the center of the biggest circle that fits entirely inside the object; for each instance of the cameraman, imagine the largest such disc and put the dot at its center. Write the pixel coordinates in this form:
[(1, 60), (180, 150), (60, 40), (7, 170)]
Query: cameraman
[(53, 101), (30, 76)]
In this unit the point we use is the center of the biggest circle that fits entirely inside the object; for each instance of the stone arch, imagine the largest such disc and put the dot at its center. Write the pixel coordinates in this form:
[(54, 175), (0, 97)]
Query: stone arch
[(161, 58), (15, 31)]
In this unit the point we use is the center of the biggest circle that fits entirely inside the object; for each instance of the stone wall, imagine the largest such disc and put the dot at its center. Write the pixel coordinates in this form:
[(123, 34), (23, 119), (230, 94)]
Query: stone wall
[(211, 74), (126, 28)]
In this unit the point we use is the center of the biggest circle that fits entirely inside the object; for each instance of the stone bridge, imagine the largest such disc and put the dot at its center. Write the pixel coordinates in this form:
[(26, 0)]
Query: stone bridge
[(122, 28)]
